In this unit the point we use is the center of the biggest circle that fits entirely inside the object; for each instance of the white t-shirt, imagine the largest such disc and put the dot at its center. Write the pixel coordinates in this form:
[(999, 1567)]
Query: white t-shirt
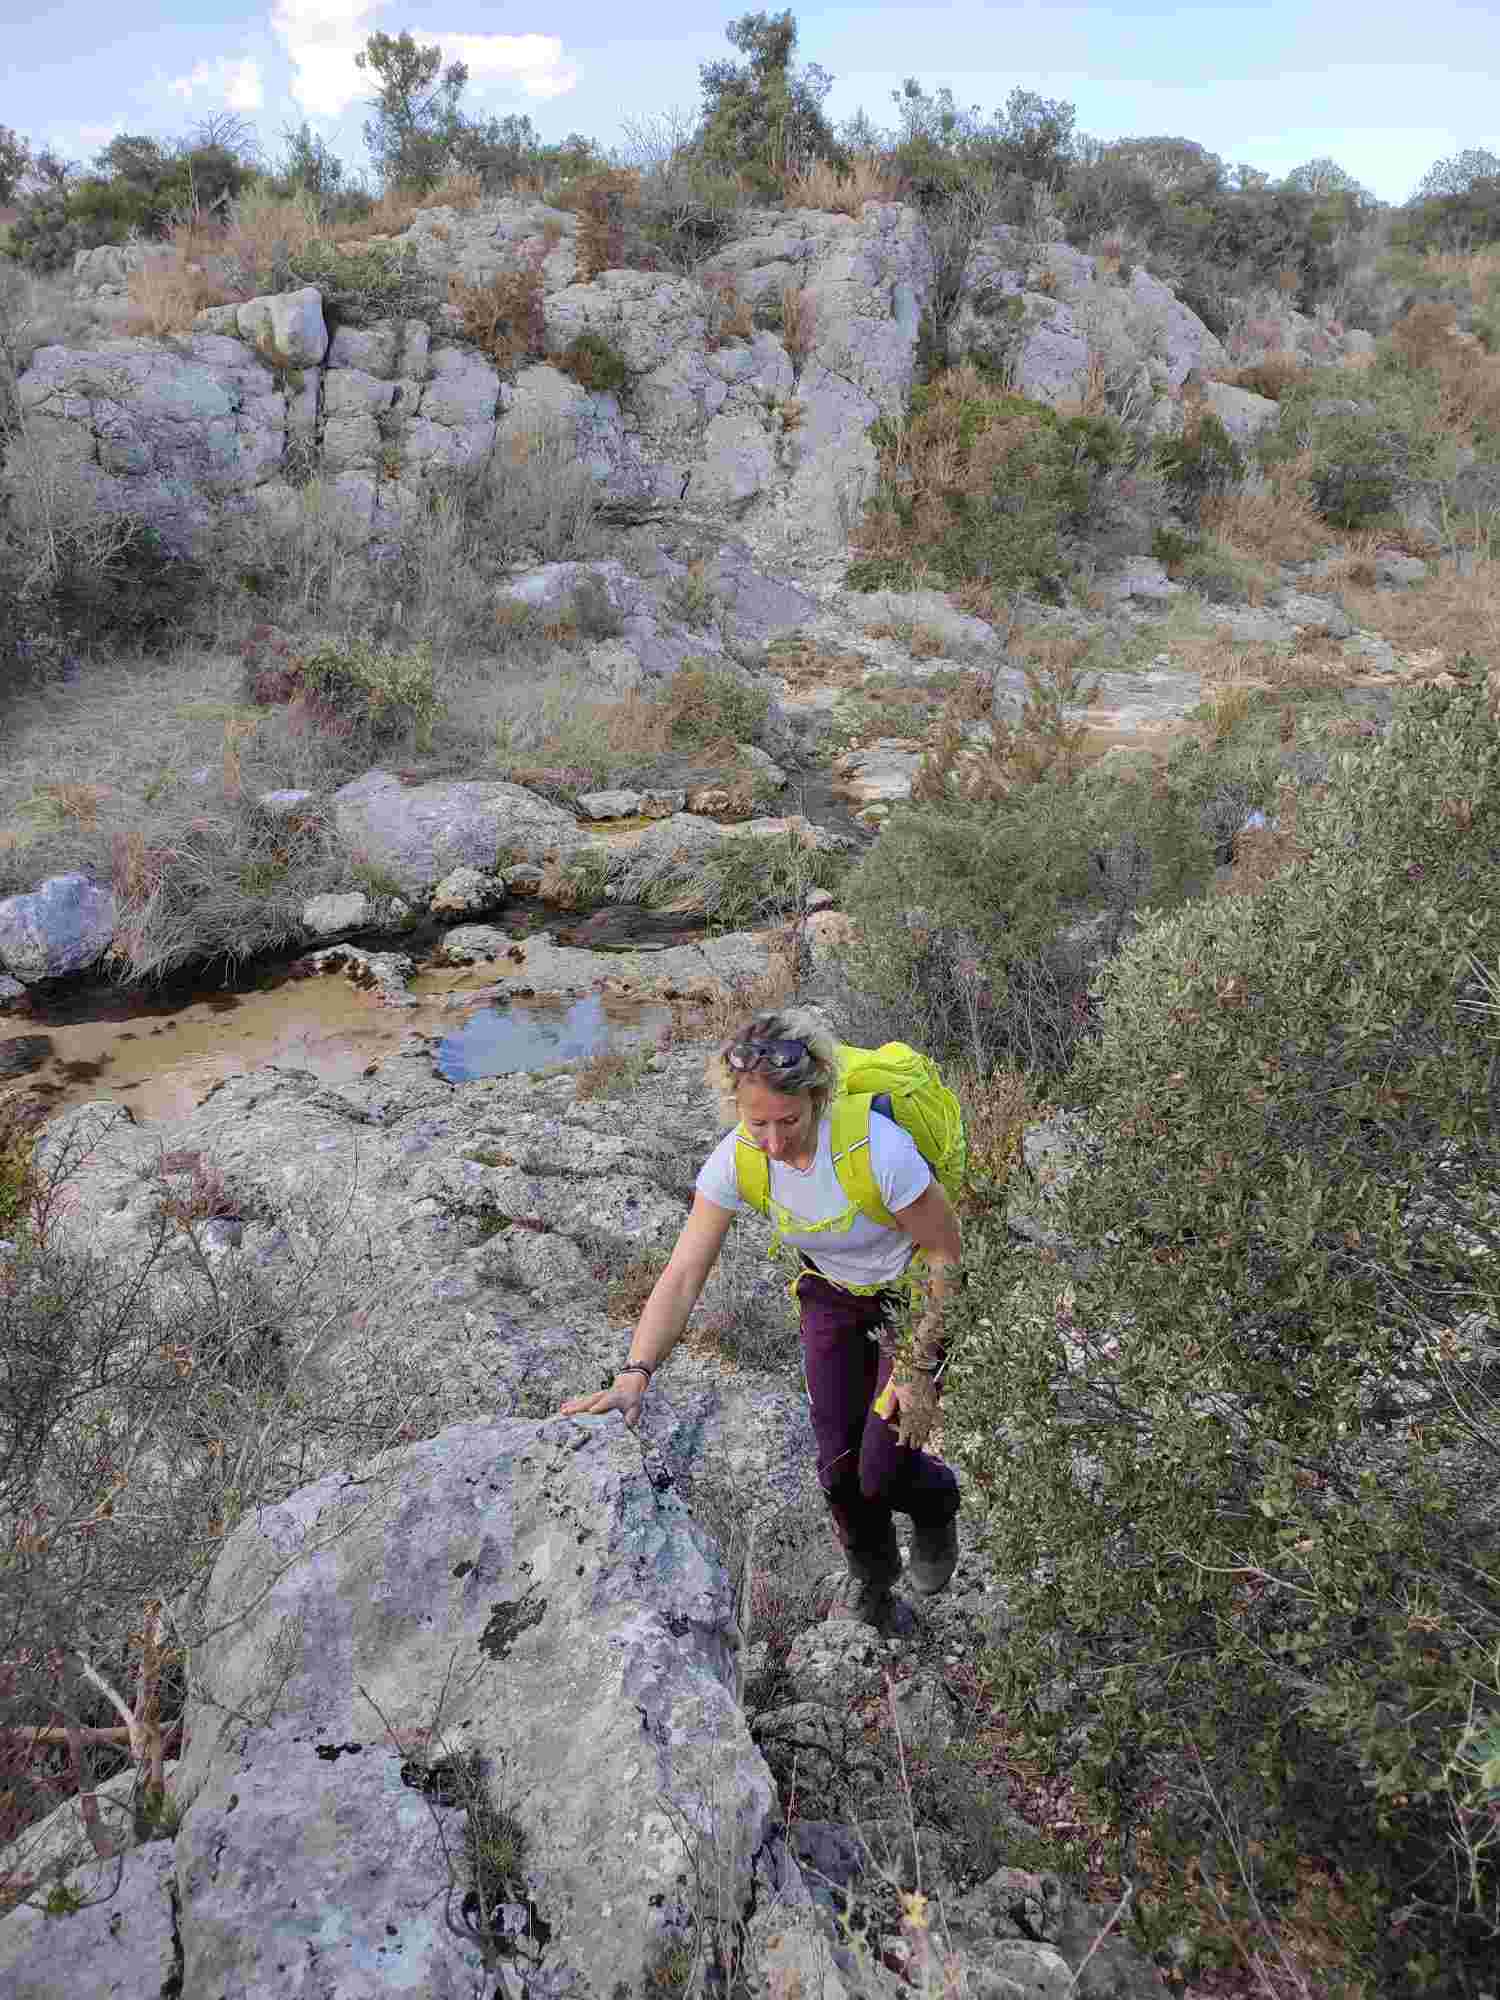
[(855, 1250)]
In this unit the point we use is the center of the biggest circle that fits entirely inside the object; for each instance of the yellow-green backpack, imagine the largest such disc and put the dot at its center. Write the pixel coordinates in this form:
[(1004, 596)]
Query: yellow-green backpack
[(896, 1081)]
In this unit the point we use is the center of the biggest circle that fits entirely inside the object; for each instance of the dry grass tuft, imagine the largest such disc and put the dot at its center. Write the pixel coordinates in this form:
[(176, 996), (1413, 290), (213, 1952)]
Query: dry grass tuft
[(1271, 376), (822, 186), (1276, 522), (804, 666), (1452, 613), (167, 298), (601, 202), (729, 312), (612, 1071), (629, 1289), (1468, 378), (503, 316), (799, 322)]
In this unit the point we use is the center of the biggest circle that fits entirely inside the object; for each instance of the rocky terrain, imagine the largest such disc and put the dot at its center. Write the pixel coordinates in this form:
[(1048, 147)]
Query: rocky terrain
[(547, 1595), (662, 1718)]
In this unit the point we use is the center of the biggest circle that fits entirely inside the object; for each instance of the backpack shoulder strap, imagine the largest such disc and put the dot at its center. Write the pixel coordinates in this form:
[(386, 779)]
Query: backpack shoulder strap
[(752, 1172), (849, 1134)]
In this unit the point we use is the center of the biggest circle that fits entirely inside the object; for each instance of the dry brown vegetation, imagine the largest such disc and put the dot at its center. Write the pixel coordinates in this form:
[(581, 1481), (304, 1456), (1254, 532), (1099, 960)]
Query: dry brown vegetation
[(823, 186), (803, 664), (1271, 376), (1276, 522), (601, 202), (729, 313), (1468, 377), (503, 315), (1455, 611), (799, 322), (167, 298)]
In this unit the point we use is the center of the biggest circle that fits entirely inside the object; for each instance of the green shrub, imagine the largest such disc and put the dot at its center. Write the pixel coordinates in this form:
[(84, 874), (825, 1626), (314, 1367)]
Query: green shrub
[(706, 704), (1238, 1464), (360, 286), (593, 363), (985, 905), (368, 687), (1201, 464), (1367, 450), (981, 485), (751, 880)]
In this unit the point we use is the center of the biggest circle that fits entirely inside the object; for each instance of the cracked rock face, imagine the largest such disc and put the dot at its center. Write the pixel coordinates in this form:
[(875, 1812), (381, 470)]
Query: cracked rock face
[(583, 1632), (235, 413)]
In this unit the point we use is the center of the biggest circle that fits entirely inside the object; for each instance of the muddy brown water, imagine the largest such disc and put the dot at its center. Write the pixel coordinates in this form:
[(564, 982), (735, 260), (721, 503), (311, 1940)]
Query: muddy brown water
[(161, 1055)]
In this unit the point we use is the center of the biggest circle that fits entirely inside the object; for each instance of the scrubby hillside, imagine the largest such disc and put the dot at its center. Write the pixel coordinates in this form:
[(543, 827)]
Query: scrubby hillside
[(1054, 585)]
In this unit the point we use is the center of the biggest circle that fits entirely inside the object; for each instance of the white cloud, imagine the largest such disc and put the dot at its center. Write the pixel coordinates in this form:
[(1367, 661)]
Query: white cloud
[(532, 63), (322, 38), (232, 81)]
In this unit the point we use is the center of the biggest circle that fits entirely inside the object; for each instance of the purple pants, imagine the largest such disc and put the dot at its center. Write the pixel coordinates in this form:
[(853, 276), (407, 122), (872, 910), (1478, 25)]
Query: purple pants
[(864, 1472)]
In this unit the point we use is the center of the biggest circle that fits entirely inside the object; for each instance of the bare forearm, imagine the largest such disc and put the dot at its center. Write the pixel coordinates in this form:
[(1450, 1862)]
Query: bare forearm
[(663, 1319)]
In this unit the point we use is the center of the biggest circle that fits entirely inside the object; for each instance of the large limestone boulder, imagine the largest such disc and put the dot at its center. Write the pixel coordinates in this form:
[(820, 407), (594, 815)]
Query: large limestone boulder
[(517, 1606), (64, 926), (287, 328), (421, 833)]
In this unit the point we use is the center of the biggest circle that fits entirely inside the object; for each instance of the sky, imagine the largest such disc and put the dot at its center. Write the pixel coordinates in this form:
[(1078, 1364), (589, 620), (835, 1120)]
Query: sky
[(1383, 87)]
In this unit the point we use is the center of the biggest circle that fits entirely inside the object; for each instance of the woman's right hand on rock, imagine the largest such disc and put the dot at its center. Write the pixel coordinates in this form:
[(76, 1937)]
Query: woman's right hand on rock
[(626, 1394)]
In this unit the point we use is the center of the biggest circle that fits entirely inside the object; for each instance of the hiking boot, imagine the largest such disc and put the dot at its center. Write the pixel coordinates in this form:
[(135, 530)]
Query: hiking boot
[(934, 1556), (866, 1592)]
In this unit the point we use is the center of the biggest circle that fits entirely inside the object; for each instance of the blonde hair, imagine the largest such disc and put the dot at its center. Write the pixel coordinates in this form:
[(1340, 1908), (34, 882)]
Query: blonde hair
[(817, 1078)]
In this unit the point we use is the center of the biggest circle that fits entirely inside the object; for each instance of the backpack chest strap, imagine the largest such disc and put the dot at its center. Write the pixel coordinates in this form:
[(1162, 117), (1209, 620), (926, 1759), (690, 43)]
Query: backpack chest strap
[(849, 1138), (849, 1135)]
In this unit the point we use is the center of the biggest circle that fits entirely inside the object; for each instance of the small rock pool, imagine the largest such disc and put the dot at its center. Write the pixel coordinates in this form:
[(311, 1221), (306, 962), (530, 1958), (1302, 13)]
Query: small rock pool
[(161, 1053)]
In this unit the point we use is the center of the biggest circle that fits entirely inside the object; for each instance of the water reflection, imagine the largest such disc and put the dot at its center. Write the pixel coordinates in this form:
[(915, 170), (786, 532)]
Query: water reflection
[(495, 1041)]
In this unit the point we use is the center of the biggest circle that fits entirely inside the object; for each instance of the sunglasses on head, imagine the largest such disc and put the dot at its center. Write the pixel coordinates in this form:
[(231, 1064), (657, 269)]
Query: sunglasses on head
[(767, 1055)]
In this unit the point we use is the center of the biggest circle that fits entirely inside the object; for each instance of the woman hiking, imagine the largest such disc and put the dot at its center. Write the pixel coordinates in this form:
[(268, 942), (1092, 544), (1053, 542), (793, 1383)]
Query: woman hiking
[(777, 1076)]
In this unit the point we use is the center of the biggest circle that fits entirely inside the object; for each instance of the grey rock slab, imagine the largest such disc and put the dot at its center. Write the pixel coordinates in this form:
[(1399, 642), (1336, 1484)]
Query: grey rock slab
[(679, 972), (583, 1630), (1299, 609), (284, 804), (63, 926), (473, 944), (384, 973), (930, 608), (609, 805), (837, 1661), (59, 1844), (1242, 413), (121, 1947), (924, 1711), (1143, 578), (467, 892), (333, 913), (882, 773), (286, 327), (1393, 567), (1015, 1902), (422, 832)]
